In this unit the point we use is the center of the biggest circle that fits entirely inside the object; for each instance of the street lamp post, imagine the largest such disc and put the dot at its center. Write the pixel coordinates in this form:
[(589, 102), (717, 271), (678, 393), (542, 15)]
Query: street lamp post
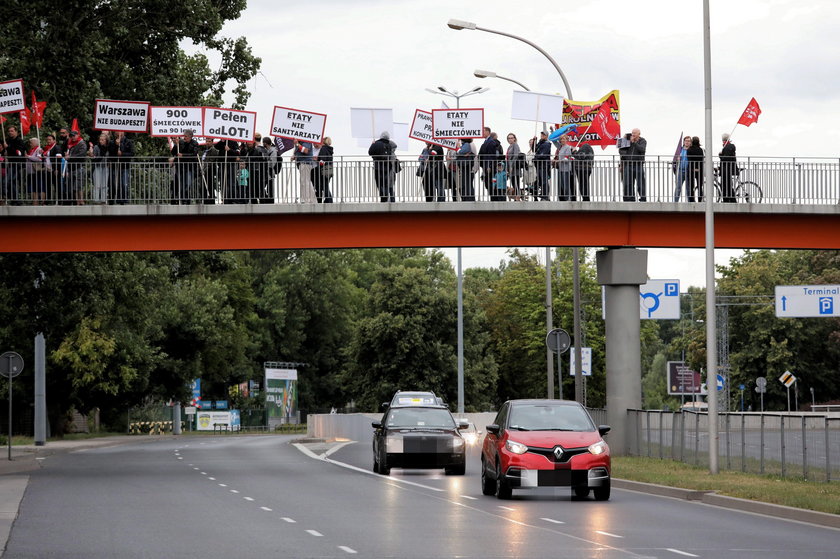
[(443, 91), (459, 25)]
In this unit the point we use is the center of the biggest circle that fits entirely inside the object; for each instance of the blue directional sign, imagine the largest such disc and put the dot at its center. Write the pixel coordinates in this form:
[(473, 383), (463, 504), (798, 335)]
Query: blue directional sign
[(720, 382), (659, 299), (807, 301)]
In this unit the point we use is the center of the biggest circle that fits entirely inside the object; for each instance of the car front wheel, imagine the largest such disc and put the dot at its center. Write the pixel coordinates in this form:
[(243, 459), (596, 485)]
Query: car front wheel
[(602, 493), (504, 490), (488, 484)]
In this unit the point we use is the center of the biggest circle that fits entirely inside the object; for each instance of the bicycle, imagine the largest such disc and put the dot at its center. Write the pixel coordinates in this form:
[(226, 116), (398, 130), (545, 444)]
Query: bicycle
[(743, 191)]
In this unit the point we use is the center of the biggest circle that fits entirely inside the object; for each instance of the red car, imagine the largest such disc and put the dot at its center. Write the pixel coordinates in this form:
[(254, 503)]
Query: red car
[(545, 443)]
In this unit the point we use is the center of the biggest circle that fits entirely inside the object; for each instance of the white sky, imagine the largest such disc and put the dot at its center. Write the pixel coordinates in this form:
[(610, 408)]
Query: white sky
[(327, 56)]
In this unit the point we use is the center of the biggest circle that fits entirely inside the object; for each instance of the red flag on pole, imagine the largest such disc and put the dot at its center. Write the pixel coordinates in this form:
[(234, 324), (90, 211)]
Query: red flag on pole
[(750, 113), (605, 124), (75, 126), (24, 122), (37, 112)]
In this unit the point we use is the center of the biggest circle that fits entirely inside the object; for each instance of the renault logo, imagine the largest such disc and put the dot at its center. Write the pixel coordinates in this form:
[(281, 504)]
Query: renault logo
[(558, 451)]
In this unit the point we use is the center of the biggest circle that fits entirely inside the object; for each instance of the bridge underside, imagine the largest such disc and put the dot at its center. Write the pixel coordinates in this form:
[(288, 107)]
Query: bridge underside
[(161, 228)]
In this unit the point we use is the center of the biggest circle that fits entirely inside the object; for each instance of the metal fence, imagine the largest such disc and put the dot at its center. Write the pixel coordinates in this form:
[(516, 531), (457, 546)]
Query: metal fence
[(788, 445), (214, 180)]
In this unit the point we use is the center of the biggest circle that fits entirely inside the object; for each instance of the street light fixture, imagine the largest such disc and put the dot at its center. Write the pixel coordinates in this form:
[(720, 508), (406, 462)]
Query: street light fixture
[(443, 91), (460, 25), (488, 74)]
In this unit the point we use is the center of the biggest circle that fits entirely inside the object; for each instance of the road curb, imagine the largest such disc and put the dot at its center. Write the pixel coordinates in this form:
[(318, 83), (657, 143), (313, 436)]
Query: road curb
[(709, 497)]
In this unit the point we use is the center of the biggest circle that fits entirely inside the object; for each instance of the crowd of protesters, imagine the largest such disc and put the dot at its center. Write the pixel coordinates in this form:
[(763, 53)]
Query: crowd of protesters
[(67, 169)]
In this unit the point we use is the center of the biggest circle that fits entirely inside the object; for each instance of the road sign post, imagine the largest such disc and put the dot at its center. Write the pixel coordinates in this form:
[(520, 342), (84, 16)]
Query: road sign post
[(558, 341), (761, 388), (787, 379), (11, 364)]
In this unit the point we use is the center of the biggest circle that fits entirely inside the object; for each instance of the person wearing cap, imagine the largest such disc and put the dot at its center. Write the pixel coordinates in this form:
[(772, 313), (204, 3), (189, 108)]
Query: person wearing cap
[(384, 168), (542, 162), (76, 173)]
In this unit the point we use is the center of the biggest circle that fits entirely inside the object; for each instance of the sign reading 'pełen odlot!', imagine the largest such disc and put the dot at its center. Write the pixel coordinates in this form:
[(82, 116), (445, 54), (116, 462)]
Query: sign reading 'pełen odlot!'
[(457, 123), (229, 124)]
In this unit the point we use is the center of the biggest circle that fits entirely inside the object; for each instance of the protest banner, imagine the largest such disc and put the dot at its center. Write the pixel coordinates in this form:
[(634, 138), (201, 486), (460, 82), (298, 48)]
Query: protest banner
[(229, 124), (172, 121), (537, 107), (421, 129), (457, 123), (11, 96), (369, 124), (585, 113), (298, 125), (121, 116)]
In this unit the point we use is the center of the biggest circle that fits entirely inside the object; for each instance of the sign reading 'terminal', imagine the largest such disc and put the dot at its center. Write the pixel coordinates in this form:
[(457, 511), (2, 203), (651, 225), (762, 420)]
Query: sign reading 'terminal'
[(297, 124), (457, 123), (229, 124), (807, 301)]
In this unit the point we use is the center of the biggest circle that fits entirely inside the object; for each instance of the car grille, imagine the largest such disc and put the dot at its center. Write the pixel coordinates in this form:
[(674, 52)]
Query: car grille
[(564, 457)]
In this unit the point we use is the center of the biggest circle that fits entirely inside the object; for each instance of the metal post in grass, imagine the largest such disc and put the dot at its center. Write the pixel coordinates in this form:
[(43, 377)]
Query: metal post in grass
[(661, 442), (761, 453), (782, 436), (804, 449), (827, 451), (673, 435), (743, 442), (728, 442), (647, 421), (696, 436), (682, 436)]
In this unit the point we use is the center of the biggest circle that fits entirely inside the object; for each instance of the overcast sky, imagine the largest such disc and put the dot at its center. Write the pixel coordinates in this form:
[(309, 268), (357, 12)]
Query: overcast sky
[(327, 56)]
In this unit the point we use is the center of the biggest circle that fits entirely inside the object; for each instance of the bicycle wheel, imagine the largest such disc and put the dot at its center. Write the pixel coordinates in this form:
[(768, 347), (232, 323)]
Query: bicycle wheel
[(749, 192), (718, 195)]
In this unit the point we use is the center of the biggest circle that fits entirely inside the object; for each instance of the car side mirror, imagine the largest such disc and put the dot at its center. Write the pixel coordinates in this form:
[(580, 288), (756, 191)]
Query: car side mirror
[(376, 424), (603, 429), (463, 425), (384, 405), (493, 429)]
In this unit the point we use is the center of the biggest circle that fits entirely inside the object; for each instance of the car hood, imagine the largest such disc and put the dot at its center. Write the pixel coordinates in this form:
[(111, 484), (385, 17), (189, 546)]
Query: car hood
[(550, 439)]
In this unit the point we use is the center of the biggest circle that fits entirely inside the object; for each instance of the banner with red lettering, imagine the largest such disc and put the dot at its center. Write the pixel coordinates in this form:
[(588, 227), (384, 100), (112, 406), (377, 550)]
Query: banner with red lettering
[(229, 124), (591, 128), (121, 116), (11, 96), (298, 125)]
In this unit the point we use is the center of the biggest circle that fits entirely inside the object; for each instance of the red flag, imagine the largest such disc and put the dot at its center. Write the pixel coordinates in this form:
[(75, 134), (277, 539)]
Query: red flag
[(37, 112), (24, 122), (750, 113), (75, 126), (604, 124)]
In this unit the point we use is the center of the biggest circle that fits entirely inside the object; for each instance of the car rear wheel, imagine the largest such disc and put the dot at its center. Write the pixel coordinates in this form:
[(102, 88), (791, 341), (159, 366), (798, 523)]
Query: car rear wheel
[(581, 492), (602, 493), (488, 484), (384, 469), (456, 470), (375, 465)]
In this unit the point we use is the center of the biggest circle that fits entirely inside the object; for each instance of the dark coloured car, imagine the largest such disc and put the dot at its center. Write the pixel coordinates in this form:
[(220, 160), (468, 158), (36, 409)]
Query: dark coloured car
[(545, 443), (421, 436)]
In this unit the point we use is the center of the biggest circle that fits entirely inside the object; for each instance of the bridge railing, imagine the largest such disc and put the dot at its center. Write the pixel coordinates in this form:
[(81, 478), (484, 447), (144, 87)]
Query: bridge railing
[(210, 180)]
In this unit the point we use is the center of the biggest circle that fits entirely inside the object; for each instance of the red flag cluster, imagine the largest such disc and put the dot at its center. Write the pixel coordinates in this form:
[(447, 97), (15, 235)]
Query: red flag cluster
[(604, 124)]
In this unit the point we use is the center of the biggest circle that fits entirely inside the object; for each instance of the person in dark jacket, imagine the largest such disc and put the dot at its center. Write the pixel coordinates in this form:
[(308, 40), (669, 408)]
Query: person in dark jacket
[(384, 166), (584, 160), (227, 164), (728, 168), (489, 154), (185, 152), (15, 164), (695, 156), (542, 162), (431, 171), (323, 172), (123, 153), (632, 149)]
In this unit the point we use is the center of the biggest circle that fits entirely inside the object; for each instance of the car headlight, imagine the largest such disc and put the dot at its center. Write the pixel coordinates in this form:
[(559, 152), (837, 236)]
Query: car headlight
[(394, 444), (515, 447), (457, 442), (598, 448), (471, 438)]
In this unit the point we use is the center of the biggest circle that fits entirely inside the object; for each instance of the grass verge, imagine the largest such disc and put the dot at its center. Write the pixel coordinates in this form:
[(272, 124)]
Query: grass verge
[(791, 492)]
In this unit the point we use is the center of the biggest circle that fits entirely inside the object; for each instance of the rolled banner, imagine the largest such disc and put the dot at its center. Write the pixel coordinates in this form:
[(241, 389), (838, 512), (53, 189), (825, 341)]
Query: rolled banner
[(555, 136)]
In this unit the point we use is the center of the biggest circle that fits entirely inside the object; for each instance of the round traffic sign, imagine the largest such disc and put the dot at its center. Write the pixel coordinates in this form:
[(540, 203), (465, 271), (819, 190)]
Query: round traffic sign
[(11, 364), (558, 340), (761, 382)]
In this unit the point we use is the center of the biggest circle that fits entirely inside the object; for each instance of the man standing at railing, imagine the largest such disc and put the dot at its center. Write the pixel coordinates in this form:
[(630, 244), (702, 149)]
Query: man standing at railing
[(185, 153), (632, 150), (384, 173), (542, 162), (489, 154), (125, 152), (728, 167)]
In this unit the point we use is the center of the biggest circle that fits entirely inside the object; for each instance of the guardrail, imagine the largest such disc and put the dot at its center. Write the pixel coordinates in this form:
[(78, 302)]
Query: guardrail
[(789, 445), (213, 180)]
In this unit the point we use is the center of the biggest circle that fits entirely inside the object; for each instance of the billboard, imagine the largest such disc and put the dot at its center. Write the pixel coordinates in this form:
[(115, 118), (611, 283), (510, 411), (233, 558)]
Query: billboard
[(281, 396), (682, 381)]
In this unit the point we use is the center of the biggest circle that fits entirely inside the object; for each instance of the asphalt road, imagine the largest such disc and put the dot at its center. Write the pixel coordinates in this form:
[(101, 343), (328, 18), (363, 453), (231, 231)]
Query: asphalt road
[(262, 497)]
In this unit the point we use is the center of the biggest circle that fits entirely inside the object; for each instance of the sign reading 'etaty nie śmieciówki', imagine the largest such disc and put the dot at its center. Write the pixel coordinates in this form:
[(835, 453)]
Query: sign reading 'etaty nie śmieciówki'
[(11, 96), (421, 129), (229, 124), (173, 121), (121, 116), (298, 125), (457, 123)]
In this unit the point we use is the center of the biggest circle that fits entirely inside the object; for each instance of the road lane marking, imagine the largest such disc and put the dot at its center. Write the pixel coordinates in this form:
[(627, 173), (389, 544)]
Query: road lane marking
[(337, 447), (234, 491), (248, 498), (195, 468), (266, 509), (180, 458), (289, 520), (506, 508), (678, 552), (608, 534), (315, 533), (222, 485), (553, 521), (204, 473), (211, 478), (470, 497), (349, 550)]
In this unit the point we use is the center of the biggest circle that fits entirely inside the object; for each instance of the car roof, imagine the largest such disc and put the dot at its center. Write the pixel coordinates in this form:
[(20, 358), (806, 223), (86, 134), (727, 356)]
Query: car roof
[(543, 402), (421, 406)]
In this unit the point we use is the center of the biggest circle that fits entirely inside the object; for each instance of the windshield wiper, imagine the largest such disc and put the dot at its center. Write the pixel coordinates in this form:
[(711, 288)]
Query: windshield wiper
[(518, 428), (550, 429)]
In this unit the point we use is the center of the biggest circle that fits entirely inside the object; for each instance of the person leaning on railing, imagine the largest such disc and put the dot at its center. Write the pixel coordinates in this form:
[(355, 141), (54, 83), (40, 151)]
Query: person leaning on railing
[(76, 172), (728, 168)]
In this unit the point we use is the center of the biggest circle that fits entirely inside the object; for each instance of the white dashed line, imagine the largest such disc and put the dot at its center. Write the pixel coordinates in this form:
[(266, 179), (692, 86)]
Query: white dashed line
[(222, 485), (234, 491), (315, 533), (180, 458), (248, 498), (289, 520), (349, 550), (608, 534), (506, 508), (553, 521), (471, 498), (204, 473), (195, 468), (266, 509), (678, 552), (211, 478)]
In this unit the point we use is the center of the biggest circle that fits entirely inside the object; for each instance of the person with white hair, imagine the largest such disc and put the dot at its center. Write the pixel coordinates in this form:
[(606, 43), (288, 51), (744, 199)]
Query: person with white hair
[(728, 167), (384, 166)]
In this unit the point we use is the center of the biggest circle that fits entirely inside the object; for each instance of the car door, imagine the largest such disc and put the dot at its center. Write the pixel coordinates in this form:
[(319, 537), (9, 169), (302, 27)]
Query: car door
[(490, 447)]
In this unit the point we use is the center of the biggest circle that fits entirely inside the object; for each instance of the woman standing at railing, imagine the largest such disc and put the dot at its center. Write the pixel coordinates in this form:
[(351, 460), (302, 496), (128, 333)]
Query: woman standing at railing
[(680, 168), (515, 162), (77, 149), (35, 172), (323, 172), (99, 155), (695, 156), (52, 166)]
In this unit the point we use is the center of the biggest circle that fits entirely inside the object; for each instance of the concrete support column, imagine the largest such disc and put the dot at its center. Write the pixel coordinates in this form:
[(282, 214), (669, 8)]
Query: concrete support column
[(621, 271), (176, 418)]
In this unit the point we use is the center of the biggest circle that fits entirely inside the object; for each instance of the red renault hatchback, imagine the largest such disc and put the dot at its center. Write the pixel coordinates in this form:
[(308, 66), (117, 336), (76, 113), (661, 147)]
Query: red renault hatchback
[(545, 443)]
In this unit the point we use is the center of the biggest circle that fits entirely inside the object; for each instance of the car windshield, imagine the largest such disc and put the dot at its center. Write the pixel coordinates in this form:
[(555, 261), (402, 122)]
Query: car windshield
[(539, 417), (420, 417)]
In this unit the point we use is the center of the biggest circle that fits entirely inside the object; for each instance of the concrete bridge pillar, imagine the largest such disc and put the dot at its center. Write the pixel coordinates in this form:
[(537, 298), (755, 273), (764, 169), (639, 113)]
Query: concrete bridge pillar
[(621, 271)]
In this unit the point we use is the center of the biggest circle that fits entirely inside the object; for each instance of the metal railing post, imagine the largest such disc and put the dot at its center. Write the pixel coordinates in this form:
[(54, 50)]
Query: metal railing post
[(782, 435), (827, 451), (728, 443), (804, 448), (761, 463), (661, 442), (743, 443), (696, 436)]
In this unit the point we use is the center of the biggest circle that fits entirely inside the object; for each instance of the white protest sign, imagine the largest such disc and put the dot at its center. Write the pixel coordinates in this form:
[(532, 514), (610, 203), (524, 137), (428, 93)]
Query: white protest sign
[(172, 121), (11, 96), (400, 136), (457, 123), (229, 124), (121, 116), (421, 129), (371, 123), (297, 124), (537, 107)]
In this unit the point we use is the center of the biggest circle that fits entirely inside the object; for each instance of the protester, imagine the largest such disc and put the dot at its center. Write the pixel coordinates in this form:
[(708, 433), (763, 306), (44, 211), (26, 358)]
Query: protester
[(99, 155), (584, 160), (542, 162), (185, 152), (489, 154), (64, 195), (728, 168), (52, 166), (452, 179), (632, 152), (35, 172), (304, 162), (432, 173), (467, 165), (680, 168), (273, 163), (515, 163), (695, 156), (121, 180), (227, 169), (2, 173), (324, 172), (77, 150), (563, 164), (15, 160), (499, 183), (384, 166)]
